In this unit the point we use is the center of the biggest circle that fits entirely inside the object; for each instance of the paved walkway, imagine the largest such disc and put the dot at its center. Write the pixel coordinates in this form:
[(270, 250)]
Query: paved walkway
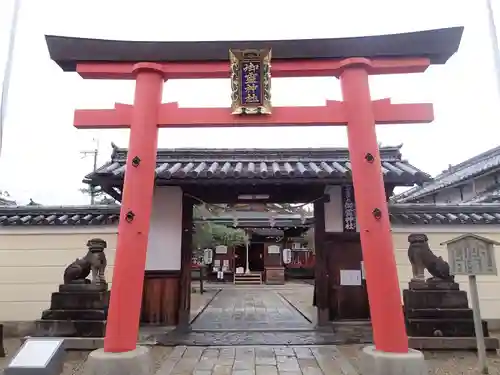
[(257, 316), (250, 310), (298, 360)]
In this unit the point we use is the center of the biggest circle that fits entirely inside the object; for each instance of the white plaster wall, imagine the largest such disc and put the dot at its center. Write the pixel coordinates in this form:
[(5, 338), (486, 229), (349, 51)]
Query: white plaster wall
[(165, 232), (33, 260)]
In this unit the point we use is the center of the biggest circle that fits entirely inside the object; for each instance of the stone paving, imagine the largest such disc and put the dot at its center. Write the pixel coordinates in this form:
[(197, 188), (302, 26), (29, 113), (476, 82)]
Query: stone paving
[(262, 360), (242, 315), (250, 310)]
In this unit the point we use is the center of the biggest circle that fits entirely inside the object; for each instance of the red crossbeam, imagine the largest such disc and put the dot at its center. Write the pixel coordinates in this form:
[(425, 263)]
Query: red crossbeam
[(333, 113), (280, 68)]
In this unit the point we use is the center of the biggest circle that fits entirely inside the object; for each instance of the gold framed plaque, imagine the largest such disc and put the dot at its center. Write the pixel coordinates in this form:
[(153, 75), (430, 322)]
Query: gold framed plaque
[(250, 81)]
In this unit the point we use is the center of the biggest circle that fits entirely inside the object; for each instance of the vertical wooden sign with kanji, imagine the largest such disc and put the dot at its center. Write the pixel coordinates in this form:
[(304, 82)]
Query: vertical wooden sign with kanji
[(348, 209)]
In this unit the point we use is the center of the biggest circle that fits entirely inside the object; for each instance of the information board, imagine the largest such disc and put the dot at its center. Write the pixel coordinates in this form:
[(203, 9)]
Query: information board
[(350, 277), (471, 256), (273, 249)]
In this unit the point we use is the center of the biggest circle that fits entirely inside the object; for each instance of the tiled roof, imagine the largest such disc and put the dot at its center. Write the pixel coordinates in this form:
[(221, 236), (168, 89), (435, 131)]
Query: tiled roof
[(178, 166), (425, 214), (478, 165), (64, 215), (405, 214)]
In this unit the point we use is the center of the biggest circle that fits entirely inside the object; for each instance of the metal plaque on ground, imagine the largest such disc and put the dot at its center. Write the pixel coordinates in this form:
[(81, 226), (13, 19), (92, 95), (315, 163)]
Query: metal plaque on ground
[(38, 356)]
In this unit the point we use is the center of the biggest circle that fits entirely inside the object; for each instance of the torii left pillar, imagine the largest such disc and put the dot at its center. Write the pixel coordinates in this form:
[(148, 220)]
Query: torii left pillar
[(137, 200)]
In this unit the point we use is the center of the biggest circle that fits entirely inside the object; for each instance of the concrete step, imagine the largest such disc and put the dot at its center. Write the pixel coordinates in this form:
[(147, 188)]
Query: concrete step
[(248, 279)]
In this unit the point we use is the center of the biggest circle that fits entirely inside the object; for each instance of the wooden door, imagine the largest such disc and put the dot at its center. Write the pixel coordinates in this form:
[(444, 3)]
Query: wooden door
[(346, 302)]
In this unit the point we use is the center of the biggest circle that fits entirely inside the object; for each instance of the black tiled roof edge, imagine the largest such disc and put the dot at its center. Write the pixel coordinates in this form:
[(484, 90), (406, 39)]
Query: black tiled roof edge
[(470, 168), (176, 166), (437, 45), (403, 214)]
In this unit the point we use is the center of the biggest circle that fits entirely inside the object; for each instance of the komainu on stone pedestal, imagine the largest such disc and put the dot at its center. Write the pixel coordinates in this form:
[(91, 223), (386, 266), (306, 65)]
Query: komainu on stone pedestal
[(79, 308), (437, 312), (422, 258)]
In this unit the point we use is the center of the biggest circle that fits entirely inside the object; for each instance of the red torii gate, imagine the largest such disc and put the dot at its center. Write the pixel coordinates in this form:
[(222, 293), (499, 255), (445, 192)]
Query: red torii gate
[(357, 111)]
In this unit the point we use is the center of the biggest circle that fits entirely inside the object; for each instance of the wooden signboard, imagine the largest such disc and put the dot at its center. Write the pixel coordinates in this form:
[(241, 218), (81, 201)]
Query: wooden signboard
[(471, 255), (273, 249), (221, 249), (348, 209)]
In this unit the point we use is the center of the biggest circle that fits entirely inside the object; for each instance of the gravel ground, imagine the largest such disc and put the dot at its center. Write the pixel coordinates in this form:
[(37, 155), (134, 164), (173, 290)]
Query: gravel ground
[(442, 363)]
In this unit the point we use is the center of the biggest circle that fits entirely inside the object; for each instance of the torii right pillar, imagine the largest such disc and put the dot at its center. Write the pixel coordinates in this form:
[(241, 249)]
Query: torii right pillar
[(391, 354)]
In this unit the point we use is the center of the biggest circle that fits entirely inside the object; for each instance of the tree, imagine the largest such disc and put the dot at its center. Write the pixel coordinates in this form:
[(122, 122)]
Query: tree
[(207, 234), (97, 195), (5, 199)]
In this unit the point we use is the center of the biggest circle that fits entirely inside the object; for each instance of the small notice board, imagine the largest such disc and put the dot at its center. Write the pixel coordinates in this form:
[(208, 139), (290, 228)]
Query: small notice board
[(350, 277)]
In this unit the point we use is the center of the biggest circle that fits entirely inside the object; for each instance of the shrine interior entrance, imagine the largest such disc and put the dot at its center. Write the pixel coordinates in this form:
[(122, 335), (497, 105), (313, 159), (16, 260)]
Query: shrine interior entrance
[(240, 256), (256, 257)]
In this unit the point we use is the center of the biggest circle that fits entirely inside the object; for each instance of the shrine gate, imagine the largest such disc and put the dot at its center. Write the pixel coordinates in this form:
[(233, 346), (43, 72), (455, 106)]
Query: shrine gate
[(248, 64)]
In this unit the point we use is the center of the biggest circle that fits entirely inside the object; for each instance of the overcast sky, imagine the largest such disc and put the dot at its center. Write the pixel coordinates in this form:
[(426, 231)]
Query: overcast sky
[(41, 152)]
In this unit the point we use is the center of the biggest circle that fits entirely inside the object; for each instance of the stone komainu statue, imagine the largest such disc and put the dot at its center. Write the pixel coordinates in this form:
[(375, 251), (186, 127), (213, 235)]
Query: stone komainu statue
[(93, 262), (422, 258)]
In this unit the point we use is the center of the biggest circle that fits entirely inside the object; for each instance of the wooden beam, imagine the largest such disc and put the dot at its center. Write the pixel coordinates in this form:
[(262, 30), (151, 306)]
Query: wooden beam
[(280, 68), (277, 194), (112, 192), (331, 114)]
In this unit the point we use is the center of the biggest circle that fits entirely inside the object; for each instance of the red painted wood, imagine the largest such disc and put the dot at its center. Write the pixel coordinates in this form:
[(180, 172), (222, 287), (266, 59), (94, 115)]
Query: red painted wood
[(280, 68), (357, 111), (333, 113), (130, 260), (378, 250)]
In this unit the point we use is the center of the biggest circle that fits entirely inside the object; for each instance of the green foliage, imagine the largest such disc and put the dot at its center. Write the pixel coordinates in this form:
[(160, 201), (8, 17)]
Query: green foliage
[(208, 235)]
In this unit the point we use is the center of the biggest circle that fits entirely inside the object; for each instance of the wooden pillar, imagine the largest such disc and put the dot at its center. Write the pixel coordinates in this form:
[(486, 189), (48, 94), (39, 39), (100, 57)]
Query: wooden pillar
[(186, 260), (389, 332), (132, 243), (321, 271)]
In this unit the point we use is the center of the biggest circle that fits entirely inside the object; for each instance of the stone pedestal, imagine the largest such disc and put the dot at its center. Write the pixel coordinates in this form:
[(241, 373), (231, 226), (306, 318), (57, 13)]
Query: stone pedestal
[(373, 362), (135, 362), (75, 311), (436, 311)]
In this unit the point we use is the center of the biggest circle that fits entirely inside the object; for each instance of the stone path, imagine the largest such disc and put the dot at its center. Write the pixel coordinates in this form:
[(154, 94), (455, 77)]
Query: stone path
[(250, 310), (298, 360), (257, 316)]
